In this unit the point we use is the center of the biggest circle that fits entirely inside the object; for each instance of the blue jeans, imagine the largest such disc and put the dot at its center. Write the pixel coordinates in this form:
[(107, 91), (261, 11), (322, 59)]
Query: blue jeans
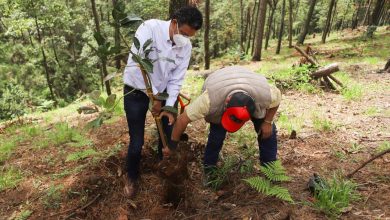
[(136, 105), (268, 147)]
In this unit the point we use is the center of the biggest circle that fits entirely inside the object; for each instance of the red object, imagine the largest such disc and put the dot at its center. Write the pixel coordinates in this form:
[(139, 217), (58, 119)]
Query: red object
[(234, 118), (182, 104)]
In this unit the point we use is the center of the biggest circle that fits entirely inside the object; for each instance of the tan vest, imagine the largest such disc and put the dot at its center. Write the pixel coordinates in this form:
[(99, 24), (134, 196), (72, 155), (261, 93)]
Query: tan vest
[(229, 80)]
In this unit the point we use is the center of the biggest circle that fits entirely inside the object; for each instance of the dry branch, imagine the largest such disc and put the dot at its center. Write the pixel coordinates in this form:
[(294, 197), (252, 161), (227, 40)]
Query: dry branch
[(303, 53), (329, 83), (367, 162)]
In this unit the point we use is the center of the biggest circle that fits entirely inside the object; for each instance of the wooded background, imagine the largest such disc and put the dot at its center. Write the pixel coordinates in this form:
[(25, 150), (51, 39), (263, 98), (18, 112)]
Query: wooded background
[(53, 52)]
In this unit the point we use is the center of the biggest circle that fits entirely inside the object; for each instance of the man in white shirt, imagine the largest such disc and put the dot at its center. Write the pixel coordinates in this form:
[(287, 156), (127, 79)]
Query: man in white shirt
[(170, 40)]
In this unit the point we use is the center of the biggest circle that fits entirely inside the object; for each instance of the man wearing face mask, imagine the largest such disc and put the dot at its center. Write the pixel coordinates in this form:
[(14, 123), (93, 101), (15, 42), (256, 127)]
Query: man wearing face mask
[(170, 40)]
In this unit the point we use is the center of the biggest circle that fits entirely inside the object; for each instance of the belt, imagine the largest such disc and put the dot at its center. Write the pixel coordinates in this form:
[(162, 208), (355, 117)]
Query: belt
[(130, 87)]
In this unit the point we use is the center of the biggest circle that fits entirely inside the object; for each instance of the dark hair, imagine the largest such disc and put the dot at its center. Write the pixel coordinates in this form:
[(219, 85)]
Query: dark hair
[(190, 16)]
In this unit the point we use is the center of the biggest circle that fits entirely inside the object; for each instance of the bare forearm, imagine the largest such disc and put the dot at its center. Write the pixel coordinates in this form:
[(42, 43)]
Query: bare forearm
[(180, 126)]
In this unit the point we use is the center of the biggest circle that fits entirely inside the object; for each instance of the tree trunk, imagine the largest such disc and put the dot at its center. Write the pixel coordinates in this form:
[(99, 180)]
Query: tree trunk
[(117, 37), (255, 30), (344, 15), (281, 27), (248, 43), (45, 65), (327, 23), (333, 17), (54, 47), (274, 29), (355, 20), (382, 16), (290, 23), (261, 24), (375, 17), (269, 25), (296, 11), (30, 37), (248, 20), (366, 14), (206, 35), (242, 26), (305, 29), (104, 61), (175, 5)]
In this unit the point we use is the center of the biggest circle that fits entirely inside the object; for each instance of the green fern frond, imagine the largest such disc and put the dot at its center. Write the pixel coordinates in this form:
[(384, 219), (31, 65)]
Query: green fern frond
[(275, 171), (260, 184), (280, 193), (265, 187)]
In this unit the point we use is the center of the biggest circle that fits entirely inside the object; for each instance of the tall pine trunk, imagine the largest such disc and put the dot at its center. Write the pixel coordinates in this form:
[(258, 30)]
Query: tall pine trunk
[(255, 30), (376, 14), (269, 24), (333, 17), (242, 26), (328, 18), (260, 29), (355, 19), (103, 68), (290, 23), (367, 12), (305, 29), (206, 36), (117, 38), (45, 65), (281, 27), (248, 43), (248, 20)]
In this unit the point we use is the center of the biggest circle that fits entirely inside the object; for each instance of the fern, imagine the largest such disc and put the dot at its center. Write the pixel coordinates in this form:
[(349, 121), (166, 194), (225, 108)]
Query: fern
[(260, 184), (275, 171), (265, 186), (280, 193)]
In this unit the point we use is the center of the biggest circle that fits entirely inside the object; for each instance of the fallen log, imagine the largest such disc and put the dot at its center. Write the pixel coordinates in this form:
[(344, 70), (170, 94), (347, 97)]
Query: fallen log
[(326, 71)]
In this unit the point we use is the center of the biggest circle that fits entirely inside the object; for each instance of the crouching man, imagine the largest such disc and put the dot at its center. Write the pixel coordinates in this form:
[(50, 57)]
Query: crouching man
[(232, 96)]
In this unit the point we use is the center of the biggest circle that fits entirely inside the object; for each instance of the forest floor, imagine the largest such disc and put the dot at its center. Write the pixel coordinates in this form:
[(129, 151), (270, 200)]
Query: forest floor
[(51, 168)]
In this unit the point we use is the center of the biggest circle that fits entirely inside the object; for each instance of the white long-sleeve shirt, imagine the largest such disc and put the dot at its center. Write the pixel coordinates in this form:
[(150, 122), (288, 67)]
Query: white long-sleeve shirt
[(166, 75)]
